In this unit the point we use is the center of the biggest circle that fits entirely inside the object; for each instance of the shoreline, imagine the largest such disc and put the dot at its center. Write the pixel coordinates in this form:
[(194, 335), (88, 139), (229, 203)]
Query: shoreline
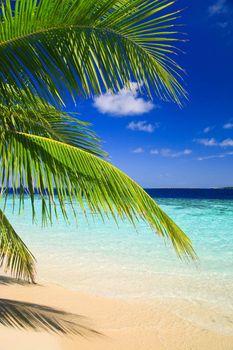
[(57, 318)]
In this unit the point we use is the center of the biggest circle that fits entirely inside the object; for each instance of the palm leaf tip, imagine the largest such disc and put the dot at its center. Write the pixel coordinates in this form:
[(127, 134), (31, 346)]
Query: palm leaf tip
[(180, 241), (163, 225), (14, 255)]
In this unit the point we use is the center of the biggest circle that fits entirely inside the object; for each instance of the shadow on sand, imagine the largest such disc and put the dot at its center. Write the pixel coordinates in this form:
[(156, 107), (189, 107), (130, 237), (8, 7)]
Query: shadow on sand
[(4, 280), (23, 315)]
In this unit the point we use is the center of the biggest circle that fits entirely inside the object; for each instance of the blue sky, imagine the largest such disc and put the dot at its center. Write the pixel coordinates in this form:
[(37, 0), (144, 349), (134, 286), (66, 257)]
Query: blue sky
[(160, 145)]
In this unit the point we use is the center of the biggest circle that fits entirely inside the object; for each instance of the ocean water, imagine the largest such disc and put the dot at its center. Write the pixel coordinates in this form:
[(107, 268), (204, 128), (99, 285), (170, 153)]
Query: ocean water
[(104, 259)]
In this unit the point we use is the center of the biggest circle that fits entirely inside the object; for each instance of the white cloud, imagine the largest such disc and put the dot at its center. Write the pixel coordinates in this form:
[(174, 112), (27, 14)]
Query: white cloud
[(221, 155), (212, 157), (207, 129), (138, 150), (154, 151), (186, 152), (228, 126), (226, 143), (167, 152), (207, 142), (124, 103), (212, 142), (142, 126), (217, 8)]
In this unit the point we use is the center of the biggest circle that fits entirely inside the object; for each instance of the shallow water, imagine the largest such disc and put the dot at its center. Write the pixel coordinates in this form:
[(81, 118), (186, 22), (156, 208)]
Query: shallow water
[(104, 259)]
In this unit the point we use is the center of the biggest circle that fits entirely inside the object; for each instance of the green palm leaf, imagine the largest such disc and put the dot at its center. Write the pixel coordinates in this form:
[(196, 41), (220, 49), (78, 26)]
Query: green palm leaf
[(14, 255), (83, 47), (35, 162), (47, 121)]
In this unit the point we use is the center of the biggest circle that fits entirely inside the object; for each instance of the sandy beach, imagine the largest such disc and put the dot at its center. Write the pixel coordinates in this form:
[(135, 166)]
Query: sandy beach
[(52, 317), (107, 288)]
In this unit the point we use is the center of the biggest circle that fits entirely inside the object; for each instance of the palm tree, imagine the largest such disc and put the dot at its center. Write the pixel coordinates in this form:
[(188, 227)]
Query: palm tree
[(50, 49)]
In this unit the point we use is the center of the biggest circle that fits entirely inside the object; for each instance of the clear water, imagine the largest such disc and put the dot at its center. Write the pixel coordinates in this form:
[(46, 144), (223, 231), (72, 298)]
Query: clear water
[(104, 259)]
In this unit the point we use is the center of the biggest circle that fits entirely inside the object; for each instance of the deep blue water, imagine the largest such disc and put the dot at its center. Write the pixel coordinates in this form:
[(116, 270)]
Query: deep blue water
[(192, 193)]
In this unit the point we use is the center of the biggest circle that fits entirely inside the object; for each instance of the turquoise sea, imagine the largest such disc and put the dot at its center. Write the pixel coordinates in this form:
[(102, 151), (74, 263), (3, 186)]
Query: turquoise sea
[(104, 259)]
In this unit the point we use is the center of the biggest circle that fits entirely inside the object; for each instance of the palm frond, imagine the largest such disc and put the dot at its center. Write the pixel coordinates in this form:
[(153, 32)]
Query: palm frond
[(47, 121), (52, 47), (35, 162), (14, 255)]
